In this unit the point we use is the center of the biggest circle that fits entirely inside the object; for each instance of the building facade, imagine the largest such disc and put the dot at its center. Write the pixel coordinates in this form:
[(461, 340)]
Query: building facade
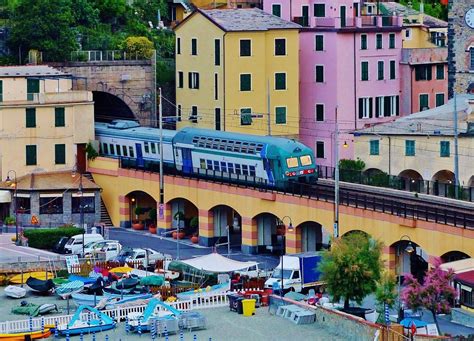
[(237, 70)]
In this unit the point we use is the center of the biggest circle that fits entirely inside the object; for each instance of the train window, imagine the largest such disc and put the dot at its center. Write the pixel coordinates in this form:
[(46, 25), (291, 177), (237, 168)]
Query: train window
[(195, 140), (124, 151), (130, 151), (245, 170), (259, 148), (209, 164), (153, 148), (237, 169), (237, 146), (231, 167), (106, 148), (224, 167), (209, 143), (117, 148), (229, 146), (216, 166), (112, 150), (292, 162), (305, 160), (221, 146), (147, 148), (202, 163), (252, 170), (244, 147)]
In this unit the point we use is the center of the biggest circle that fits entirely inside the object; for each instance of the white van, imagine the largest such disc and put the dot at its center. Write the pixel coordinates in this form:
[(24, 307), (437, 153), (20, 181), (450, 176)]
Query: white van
[(74, 244)]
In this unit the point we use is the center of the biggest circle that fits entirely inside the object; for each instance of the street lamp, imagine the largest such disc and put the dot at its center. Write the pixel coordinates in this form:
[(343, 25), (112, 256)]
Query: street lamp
[(13, 183), (81, 206), (409, 248), (283, 250)]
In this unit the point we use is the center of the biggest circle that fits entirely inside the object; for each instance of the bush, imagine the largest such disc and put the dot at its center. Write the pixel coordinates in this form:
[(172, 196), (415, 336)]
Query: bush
[(9, 220), (46, 238)]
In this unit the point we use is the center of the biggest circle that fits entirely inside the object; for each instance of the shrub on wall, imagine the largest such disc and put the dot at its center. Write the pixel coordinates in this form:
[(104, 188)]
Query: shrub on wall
[(46, 238)]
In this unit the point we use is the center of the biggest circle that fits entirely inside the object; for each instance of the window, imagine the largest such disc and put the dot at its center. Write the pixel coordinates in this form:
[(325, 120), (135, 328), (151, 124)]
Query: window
[(59, 117), (217, 52), (319, 10), (23, 204), (280, 115), (320, 149), (374, 147), (178, 112), (292, 162), (31, 155), (386, 106), (305, 160), (319, 42), (439, 99), (393, 71), (209, 164), (391, 41), (363, 41), (245, 170), (32, 88), (217, 118), (319, 112), (230, 166), (105, 148), (60, 154), (147, 147), (238, 169), (424, 102), (472, 58), (30, 117), (194, 114), (178, 45), (245, 82), (440, 71), (50, 205), (280, 47), (112, 149), (1, 91), (319, 74), (88, 204), (194, 46), (276, 10), (365, 107), (246, 116), (380, 70), (245, 48), (364, 71), (280, 81), (408, 34), (193, 80), (180, 79), (153, 147), (117, 148), (224, 166), (131, 151), (409, 148), (423, 72), (444, 150), (216, 86), (378, 41)]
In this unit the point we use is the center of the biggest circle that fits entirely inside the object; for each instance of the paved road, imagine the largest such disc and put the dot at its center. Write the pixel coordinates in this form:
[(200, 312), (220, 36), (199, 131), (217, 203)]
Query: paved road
[(133, 238), (9, 252)]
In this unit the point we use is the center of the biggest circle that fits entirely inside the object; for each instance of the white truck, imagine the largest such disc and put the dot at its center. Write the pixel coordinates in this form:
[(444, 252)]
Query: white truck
[(254, 272), (109, 249)]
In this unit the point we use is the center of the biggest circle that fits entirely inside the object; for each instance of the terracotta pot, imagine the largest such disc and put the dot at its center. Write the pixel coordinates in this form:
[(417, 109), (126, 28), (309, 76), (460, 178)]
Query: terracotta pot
[(152, 229), (181, 235), (137, 226), (174, 235), (194, 239)]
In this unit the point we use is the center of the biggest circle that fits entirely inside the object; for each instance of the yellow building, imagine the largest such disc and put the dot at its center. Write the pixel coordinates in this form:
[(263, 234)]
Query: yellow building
[(43, 123), (420, 148), (237, 70)]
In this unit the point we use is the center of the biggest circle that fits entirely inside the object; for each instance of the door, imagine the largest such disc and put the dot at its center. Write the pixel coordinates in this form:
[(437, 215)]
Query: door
[(218, 118), (140, 162), (305, 15), (343, 16), (81, 157), (356, 9), (187, 160)]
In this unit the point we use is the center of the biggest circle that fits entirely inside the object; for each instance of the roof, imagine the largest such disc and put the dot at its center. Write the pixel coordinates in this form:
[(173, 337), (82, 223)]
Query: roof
[(136, 132), (214, 262), (30, 71), (434, 122), (252, 19), (459, 266), (466, 278), (63, 180), (391, 7)]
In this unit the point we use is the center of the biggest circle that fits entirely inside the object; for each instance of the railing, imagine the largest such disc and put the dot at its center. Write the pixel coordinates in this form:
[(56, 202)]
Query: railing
[(99, 56), (425, 55)]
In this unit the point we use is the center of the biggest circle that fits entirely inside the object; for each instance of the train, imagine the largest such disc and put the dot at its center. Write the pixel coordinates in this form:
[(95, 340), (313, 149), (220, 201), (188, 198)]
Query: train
[(273, 161)]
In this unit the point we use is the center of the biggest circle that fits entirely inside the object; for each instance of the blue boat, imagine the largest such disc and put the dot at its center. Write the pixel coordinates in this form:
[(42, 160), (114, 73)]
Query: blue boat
[(85, 280), (93, 300), (152, 312), (67, 289), (87, 320)]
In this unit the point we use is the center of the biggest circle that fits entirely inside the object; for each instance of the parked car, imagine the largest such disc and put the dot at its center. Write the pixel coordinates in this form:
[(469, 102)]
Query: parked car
[(74, 244), (92, 247), (59, 246), (146, 256), (254, 271), (108, 250)]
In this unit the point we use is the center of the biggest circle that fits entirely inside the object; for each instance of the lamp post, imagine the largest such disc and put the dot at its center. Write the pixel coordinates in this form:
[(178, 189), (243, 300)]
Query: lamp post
[(283, 250), (15, 201), (409, 248), (81, 206)]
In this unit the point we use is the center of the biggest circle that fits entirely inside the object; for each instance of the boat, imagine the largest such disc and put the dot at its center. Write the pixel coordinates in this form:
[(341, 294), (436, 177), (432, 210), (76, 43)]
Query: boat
[(67, 289), (85, 280), (39, 285), (127, 283), (34, 335), (210, 290), (60, 280), (94, 300), (152, 311), (156, 281), (33, 310), (82, 322), (21, 278), (14, 291)]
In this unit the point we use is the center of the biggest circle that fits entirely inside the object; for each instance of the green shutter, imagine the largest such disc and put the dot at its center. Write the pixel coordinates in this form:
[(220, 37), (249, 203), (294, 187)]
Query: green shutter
[(319, 74), (319, 112), (194, 47), (380, 66), (423, 102), (280, 81), (280, 113), (440, 71), (379, 41), (280, 47), (444, 149), (32, 87), (439, 99), (392, 41), (409, 148), (392, 69), (365, 71), (60, 154), (245, 116), (319, 10), (319, 43), (374, 147), (30, 117), (363, 42), (245, 48), (217, 52), (59, 120), (1, 91), (276, 10), (245, 82), (31, 155)]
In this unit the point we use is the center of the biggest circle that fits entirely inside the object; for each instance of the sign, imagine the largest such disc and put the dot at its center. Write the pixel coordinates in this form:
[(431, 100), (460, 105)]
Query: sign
[(161, 211), (72, 261), (431, 329), (34, 220)]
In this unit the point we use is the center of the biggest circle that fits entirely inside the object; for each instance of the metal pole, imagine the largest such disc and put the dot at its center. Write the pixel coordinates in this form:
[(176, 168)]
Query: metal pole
[(399, 281), (160, 124), (336, 179), (177, 238), (16, 211), (389, 156), (81, 218), (281, 286), (228, 240), (456, 150), (268, 108)]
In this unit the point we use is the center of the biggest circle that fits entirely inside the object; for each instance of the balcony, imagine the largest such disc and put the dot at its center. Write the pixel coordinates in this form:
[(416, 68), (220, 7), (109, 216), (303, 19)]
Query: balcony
[(430, 55), (349, 22), (51, 98)]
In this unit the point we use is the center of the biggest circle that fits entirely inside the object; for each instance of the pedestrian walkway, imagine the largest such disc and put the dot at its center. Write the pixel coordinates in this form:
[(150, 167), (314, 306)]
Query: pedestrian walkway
[(9, 252)]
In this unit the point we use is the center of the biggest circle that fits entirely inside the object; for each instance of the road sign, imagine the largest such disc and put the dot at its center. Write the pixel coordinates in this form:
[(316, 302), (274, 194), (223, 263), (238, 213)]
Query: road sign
[(161, 211)]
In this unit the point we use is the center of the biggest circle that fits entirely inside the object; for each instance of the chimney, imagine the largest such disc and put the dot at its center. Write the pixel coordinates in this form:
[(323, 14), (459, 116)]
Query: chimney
[(422, 12)]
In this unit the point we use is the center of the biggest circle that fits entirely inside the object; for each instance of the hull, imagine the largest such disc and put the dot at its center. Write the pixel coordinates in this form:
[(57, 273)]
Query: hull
[(26, 335), (15, 292), (67, 289), (17, 279), (87, 330)]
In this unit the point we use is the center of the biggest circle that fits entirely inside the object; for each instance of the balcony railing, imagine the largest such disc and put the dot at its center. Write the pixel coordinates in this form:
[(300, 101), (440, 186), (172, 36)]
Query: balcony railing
[(349, 22), (425, 56)]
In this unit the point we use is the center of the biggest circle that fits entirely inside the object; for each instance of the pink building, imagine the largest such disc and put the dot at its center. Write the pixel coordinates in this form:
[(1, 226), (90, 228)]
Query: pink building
[(349, 70)]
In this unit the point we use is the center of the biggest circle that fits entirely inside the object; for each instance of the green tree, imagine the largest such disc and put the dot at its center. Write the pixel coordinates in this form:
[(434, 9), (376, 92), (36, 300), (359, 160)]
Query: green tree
[(141, 47), (352, 268), (351, 170)]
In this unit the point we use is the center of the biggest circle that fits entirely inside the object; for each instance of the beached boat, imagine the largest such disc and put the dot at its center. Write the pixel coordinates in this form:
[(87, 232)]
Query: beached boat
[(152, 311), (34, 335), (33, 310), (41, 286), (80, 322), (214, 289), (94, 300), (85, 280), (67, 289), (21, 278), (15, 292)]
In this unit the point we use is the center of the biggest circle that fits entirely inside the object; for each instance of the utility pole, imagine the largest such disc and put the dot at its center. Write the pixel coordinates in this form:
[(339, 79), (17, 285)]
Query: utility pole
[(268, 108), (336, 179), (160, 124), (456, 149)]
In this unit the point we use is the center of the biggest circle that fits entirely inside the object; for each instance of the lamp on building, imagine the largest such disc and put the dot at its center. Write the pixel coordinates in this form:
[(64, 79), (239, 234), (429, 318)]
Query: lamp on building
[(283, 251), (345, 145), (81, 206), (13, 183), (409, 249)]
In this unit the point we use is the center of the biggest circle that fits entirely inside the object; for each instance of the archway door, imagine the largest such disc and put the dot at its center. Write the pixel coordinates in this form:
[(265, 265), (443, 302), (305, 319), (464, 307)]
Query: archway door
[(227, 222), (444, 183), (269, 240), (182, 213), (415, 262), (140, 205), (411, 180), (311, 236)]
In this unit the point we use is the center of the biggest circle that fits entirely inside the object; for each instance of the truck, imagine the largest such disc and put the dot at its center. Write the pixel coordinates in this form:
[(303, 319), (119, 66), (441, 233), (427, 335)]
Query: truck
[(299, 273)]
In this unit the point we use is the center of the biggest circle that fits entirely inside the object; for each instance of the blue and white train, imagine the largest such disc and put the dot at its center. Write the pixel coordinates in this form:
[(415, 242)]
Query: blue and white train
[(274, 161)]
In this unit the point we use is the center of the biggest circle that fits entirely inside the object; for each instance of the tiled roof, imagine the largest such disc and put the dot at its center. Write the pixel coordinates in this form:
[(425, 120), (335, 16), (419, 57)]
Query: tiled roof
[(390, 7), (29, 70), (51, 181), (247, 20)]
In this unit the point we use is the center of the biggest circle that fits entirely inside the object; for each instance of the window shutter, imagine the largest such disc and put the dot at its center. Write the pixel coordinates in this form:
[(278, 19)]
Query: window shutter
[(361, 106), (190, 80), (397, 103), (377, 106), (30, 117), (31, 155), (197, 80), (387, 106), (60, 154), (370, 107), (429, 71), (59, 117)]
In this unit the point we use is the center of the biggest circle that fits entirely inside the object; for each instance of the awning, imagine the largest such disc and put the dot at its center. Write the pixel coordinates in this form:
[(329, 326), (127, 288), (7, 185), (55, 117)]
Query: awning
[(5, 196), (214, 262)]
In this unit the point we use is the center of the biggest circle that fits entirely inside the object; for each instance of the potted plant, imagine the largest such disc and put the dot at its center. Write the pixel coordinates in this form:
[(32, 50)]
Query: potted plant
[(152, 216), (136, 224), (195, 238), (10, 221)]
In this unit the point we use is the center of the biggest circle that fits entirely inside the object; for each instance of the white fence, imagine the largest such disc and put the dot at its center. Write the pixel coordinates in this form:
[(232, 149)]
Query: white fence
[(119, 313)]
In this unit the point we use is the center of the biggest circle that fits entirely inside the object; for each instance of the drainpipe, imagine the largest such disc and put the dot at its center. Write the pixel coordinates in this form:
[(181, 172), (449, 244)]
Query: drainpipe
[(355, 84), (223, 81)]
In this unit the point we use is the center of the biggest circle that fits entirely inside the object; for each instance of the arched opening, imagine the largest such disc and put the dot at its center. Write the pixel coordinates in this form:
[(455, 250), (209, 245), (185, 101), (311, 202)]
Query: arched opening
[(471, 182), (227, 227), (185, 216), (311, 236), (409, 258), (444, 183), (108, 107), (270, 235), (453, 256), (372, 171), (411, 180), (142, 209)]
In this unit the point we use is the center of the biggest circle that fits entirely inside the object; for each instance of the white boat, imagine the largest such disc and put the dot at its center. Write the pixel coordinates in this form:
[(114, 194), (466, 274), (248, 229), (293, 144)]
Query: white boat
[(15, 292)]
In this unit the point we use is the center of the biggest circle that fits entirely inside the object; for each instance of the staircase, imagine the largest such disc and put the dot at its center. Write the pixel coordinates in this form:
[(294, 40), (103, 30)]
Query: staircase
[(104, 214)]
